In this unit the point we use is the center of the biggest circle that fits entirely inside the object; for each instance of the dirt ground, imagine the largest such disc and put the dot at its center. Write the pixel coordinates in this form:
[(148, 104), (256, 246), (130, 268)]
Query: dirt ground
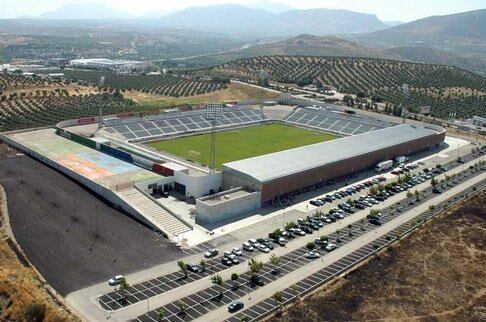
[(234, 92), (437, 274)]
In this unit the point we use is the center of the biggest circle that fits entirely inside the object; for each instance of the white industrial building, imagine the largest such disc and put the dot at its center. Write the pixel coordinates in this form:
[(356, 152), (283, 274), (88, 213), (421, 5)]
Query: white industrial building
[(103, 63)]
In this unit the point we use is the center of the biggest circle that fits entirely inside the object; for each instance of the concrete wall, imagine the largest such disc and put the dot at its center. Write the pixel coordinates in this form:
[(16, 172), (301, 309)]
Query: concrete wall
[(209, 212), (198, 186)]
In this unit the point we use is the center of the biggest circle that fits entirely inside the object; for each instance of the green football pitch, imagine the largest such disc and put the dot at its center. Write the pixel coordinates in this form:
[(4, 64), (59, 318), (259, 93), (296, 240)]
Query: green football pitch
[(242, 143)]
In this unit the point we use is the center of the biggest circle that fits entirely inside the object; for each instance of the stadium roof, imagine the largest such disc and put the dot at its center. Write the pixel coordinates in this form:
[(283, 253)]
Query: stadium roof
[(280, 164)]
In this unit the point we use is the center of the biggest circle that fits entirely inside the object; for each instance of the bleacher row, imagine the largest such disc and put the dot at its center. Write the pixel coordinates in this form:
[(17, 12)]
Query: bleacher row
[(336, 122), (179, 122)]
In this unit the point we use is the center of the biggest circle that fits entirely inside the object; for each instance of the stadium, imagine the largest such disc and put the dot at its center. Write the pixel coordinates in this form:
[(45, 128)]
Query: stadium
[(157, 167)]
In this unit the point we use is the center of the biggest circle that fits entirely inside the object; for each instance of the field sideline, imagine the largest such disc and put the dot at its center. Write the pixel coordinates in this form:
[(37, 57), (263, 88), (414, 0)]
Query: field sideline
[(241, 143)]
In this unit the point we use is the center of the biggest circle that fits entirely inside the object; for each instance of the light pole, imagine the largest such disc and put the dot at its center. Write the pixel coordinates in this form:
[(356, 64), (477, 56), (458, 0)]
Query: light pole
[(214, 112)]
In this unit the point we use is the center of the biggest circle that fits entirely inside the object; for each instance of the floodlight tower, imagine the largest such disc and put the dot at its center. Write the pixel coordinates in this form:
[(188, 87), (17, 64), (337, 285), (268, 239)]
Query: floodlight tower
[(406, 92), (101, 83), (214, 112)]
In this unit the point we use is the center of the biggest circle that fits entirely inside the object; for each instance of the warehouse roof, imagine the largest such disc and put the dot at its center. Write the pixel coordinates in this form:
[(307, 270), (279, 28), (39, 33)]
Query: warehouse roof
[(280, 164)]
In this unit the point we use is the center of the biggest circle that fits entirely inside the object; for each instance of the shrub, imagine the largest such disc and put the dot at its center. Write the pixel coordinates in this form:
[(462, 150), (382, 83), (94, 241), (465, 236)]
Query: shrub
[(35, 312)]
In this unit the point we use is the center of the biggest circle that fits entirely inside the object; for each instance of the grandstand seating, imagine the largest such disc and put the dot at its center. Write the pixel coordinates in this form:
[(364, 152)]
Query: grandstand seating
[(335, 121), (178, 122)]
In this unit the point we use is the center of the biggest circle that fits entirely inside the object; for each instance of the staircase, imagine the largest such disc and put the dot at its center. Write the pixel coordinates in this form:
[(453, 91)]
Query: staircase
[(154, 213)]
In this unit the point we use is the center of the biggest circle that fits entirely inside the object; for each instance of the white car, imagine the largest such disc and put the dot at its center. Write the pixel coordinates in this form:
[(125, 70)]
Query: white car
[(252, 241), (236, 251), (227, 254), (330, 247), (248, 247), (234, 259), (298, 231), (116, 280), (263, 249), (312, 255)]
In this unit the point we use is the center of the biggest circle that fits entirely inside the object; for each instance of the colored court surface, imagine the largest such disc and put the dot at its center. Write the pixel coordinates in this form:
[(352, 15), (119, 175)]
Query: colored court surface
[(242, 143), (90, 163)]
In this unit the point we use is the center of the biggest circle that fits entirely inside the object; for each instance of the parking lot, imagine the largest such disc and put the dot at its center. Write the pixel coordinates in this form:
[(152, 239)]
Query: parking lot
[(266, 307), (200, 303), (142, 291)]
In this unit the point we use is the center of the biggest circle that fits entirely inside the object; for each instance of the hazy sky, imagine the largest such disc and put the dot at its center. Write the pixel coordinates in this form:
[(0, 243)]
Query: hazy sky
[(404, 10)]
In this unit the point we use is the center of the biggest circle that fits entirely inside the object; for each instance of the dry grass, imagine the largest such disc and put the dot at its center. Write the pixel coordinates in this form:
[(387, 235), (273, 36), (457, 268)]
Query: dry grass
[(437, 274), (234, 92), (19, 287)]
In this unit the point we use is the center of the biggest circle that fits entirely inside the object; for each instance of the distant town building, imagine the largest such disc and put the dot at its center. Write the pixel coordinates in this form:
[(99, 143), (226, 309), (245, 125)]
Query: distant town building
[(479, 121), (103, 63)]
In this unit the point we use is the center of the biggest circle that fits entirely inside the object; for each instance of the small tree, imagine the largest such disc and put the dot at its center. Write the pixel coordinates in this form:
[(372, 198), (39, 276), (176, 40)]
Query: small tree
[(218, 280), (124, 286), (431, 207), (417, 194), (35, 312), (183, 267), (234, 278), (433, 182), (182, 307), (409, 194), (289, 225), (160, 314), (278, 297), (255, 266), (244, 318), (324, 238), (310, 245), (277, 233), (203, 263), (275, 260)]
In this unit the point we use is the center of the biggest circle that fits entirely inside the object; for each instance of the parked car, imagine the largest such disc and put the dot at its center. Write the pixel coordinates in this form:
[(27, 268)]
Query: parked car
[(312, 255), (330, 247), (234, 259), (235, 306), (211, 253), (194, 268), (226, 261), (116, 280), (307, 229), (248, 247), (298, 231), (374, 221), (236, 251), (281, 241), (263, 248)]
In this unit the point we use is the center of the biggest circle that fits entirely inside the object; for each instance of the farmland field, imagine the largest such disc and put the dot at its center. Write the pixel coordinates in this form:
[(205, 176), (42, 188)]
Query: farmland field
[(241, 143)]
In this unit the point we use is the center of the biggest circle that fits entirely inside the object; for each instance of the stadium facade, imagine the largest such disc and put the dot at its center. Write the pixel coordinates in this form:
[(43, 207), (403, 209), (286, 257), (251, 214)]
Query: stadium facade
[(293, 170)]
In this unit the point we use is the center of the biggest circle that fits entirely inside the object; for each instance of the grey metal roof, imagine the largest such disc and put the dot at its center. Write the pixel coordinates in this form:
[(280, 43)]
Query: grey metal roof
[(280, 164)]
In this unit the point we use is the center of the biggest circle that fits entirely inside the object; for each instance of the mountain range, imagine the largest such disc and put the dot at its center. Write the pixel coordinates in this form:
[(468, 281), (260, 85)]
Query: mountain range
[(257, 19)]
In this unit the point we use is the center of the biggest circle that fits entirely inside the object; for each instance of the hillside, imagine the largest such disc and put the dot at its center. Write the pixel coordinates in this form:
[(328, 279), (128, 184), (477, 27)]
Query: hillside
[(438, 56), (437, 30), (462, 35), (303, 45), (241, 20), (446, 89)]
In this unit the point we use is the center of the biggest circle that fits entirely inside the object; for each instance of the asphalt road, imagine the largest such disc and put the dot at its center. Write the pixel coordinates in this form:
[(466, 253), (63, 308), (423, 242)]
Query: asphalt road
[(73, 238)]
